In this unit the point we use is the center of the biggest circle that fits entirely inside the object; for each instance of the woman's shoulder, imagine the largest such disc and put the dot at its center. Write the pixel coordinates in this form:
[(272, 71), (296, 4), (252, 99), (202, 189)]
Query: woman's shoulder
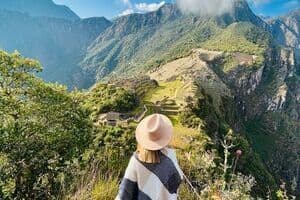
[(169, 152)]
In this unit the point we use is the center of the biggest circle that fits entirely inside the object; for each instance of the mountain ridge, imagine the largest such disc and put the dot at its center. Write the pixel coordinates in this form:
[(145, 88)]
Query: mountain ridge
[(286, 29), (57, 43), (39, 8), (155, 26)]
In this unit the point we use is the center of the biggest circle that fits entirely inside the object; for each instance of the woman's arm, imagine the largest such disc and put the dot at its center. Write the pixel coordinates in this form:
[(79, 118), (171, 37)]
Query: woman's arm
[(129, 187)]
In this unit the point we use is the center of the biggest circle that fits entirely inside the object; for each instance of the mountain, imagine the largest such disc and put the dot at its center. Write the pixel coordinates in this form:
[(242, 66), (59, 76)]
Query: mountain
[(140, 41), (57, 43), (44, 8), (242, 12), (256, 64), (286, 29)]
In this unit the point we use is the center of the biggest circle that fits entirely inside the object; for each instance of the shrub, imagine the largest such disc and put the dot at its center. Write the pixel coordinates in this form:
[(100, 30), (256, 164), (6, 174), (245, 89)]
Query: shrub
[(106, 189)]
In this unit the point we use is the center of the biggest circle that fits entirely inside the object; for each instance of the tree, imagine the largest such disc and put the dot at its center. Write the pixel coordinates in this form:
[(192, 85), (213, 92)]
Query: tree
[(43, 132)]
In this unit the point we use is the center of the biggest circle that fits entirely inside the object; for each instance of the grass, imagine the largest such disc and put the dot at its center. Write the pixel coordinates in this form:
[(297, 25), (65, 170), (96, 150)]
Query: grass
[(181, 135), (169, 89), (230, 64), (234, 39), (106, 189), (165, 89), (186, 193)]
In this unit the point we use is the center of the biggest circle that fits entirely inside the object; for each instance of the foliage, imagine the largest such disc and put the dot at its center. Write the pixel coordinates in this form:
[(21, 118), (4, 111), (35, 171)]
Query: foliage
[(112, 147), (106, 189), (239, 37), (202, 113), (282, 193), (105, 162), (104, 98), (43, 131), (202, 167)]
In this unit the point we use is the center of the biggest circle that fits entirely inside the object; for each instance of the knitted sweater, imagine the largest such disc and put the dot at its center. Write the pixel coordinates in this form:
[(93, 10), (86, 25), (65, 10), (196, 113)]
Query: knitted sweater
[(144, 181)]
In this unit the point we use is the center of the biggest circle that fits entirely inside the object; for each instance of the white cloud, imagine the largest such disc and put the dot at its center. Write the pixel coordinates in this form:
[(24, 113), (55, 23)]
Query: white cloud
[(140, 7), (144, 7), (126, 2), (126, 12), (205, 7)]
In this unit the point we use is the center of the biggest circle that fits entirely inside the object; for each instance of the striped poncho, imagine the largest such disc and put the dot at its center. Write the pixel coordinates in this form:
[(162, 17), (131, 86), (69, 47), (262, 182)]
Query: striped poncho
[(158, 181)]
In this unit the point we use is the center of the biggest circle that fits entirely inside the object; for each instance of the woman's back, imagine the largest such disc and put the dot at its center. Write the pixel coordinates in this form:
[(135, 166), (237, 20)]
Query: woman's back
[(156, 181)]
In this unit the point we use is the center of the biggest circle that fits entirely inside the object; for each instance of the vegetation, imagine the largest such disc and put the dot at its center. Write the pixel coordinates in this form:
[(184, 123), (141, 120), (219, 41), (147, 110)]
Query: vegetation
[(103, 98), (51, 149), (152, 46), (43, 132), (239, 37)]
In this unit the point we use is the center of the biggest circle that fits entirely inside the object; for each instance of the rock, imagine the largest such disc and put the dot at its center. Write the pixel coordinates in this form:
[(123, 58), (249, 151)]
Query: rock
[(279, 100)]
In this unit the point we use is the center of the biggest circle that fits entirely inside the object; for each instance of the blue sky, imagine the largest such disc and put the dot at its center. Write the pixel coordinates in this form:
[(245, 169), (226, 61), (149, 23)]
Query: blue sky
[(114, 8)]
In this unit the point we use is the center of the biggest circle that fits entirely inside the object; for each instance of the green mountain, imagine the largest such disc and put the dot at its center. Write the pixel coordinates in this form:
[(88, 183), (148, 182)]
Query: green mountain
[(58, 44), (44, 8), (141, 41)]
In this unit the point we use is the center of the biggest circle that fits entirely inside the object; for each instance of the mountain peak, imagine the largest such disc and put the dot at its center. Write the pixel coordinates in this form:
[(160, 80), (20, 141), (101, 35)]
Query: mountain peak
[(241, 12), (43, 8)]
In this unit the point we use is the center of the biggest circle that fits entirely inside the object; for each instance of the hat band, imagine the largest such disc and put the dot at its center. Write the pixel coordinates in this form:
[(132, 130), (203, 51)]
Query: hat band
[(154, 136)]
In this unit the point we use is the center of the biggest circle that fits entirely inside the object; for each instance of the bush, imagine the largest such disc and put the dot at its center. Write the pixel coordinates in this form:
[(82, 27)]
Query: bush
[(106, 189), (43, 132)]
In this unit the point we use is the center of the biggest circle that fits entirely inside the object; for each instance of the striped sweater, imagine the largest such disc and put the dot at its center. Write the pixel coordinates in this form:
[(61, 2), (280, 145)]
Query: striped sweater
[(144, 181)]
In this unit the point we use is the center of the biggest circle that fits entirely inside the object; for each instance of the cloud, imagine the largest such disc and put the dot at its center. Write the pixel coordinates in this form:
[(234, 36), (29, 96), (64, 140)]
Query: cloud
[(140, 7), (126, 12), (205, 7), (127, 2), (144, 7)]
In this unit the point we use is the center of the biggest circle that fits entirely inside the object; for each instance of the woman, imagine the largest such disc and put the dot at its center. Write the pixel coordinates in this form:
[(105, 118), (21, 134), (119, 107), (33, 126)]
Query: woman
[(153, 172)]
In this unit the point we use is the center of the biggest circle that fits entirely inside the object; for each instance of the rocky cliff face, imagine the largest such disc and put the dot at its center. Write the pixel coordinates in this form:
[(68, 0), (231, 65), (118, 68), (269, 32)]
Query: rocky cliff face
[(242, 12), (286, 29), (267, 100)]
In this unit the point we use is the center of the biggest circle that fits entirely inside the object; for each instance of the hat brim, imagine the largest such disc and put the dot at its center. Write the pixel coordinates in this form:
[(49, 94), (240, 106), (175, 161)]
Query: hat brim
[(143, 139)]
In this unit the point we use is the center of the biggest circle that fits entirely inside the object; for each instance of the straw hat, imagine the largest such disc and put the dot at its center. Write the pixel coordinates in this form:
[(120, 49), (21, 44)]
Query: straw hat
[(154, 132)]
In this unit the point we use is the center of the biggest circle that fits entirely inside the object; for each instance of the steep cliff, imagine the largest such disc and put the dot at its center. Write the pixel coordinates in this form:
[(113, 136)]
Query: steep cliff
[(286, 29), (267, 99)]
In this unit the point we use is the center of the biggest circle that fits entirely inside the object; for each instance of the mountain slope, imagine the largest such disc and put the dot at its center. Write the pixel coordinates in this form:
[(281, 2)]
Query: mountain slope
[(45, 8), (142, 41), (286, 29), (57, 43)]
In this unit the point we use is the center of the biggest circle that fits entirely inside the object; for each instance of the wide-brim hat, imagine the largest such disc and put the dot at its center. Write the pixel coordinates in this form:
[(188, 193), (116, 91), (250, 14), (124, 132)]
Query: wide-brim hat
[(154, 132)]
